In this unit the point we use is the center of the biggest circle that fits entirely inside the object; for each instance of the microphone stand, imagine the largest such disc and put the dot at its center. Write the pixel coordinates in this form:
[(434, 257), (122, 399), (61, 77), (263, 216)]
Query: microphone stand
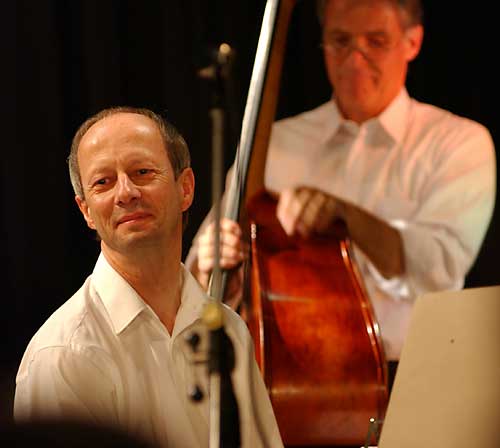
[(224, 421)]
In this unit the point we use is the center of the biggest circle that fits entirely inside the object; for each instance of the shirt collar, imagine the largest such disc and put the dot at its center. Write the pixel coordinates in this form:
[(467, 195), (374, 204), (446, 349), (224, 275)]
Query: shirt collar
[(193, 299), (121, 301), (393, 120), (332, 119), (123, 304)]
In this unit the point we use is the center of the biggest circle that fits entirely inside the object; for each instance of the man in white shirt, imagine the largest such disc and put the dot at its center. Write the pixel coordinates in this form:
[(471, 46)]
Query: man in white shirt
[(115, 354), (414, 184)]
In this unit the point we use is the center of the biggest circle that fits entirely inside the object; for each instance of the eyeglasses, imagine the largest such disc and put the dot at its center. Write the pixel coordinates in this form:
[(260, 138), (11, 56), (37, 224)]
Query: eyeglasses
[(375, 45)]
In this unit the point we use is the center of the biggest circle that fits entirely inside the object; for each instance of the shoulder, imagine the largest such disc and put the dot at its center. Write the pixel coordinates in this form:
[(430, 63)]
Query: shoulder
[(447, 125), (71, 331), (196, 298), (445, 139), (60, 327), (306, 122), (237, 328)]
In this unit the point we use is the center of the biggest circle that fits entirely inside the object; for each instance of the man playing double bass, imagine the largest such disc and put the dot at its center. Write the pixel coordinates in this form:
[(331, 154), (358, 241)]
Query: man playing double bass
[(414, 184)]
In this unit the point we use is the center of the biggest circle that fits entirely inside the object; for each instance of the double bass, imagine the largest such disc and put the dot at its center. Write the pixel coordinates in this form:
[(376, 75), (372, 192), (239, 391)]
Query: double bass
[(316, 338)]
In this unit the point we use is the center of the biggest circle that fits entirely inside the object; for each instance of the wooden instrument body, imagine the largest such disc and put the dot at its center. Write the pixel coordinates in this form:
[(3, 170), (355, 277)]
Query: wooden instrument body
[(315, 335), (316, 340)]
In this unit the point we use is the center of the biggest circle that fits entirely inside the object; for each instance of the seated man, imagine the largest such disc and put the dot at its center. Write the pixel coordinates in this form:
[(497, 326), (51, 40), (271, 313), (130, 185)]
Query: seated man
[(115, 353)]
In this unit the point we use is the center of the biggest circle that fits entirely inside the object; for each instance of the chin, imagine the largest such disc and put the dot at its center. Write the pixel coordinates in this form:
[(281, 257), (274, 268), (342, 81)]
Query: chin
[(357, 98)]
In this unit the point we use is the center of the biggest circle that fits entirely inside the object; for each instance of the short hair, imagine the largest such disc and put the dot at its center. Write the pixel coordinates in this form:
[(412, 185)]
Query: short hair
[(175, 145), (412, 10)]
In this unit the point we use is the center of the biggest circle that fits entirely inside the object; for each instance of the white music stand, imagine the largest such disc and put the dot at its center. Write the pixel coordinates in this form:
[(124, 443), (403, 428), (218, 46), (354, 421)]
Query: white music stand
[(446, 392)]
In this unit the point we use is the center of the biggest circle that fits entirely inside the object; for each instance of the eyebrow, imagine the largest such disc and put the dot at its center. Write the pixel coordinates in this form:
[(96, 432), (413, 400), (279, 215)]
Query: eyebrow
[(334, 31)]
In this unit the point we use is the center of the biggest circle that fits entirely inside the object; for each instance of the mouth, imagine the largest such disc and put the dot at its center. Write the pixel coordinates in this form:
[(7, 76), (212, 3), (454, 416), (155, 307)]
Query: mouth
[(132, 218)]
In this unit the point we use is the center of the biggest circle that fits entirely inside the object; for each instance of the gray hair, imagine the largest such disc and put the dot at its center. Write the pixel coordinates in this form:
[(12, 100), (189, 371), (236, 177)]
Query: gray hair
[(411, 9)]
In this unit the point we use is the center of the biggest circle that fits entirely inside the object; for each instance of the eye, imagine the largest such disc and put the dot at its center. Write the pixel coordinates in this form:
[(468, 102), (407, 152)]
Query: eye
[(341, 41), (378, 42), (100, 182), (338, 40), (142, 176)]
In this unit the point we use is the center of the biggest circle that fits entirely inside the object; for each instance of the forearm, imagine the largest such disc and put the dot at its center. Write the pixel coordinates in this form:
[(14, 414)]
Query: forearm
[(379, 241)]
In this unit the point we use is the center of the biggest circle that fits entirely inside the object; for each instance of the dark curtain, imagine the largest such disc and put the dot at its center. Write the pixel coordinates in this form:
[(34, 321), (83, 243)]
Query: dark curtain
[(72, 58)]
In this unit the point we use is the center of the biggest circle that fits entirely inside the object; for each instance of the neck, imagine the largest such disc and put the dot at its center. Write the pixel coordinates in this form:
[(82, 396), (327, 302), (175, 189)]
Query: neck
[(155, 275), (358, 114)]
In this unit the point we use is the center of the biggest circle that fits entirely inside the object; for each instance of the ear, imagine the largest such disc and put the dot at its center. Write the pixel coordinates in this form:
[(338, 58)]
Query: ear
[(82, 205), (186, 188), (413, 42)]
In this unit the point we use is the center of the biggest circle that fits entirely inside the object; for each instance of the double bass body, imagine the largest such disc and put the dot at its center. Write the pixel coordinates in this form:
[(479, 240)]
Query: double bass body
[(316, 338), (317, 343)]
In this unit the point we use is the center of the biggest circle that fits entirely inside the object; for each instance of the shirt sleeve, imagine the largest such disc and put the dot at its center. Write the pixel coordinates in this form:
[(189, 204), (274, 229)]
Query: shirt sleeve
[(66, 383), (442, 239)]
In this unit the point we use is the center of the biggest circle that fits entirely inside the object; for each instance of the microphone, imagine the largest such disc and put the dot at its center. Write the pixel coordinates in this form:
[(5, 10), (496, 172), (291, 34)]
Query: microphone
[(221, 59)]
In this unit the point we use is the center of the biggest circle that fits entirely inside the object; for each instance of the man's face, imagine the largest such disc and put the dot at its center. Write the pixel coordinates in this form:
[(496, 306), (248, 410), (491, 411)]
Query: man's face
[(131, 196), (367, 50)]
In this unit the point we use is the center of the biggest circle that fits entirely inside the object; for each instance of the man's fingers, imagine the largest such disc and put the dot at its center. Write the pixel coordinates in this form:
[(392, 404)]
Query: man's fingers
[(225, 238), (305, 211), (328, 212), (290, 208), (229, 256), (231, 226), (311, 213), (230, 233), (232, 250)]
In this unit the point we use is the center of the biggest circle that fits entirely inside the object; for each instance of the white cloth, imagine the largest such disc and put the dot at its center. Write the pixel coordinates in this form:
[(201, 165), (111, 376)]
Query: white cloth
[(104, 356), (422, 169)]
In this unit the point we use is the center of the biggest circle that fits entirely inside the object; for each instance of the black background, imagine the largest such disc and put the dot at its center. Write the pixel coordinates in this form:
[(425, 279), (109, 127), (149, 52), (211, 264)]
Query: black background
[(65, 60)]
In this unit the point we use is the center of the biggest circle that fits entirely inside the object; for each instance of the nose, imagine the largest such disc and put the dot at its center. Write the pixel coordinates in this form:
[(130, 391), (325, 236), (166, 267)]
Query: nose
[(125, 190), (357, 56), (356, 59), (358, 51)]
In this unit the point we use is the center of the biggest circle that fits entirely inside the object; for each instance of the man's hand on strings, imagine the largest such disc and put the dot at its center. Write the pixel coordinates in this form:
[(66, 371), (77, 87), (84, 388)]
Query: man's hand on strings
[(232, 249), (305, 211)]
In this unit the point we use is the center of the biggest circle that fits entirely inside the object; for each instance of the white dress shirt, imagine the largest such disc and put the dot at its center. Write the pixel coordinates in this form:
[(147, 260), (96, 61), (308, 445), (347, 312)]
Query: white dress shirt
[(104, 356), (422, 169)]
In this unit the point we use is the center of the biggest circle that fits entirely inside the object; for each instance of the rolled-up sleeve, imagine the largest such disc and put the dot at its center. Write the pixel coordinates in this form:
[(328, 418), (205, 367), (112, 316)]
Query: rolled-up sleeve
[(442, 239)]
